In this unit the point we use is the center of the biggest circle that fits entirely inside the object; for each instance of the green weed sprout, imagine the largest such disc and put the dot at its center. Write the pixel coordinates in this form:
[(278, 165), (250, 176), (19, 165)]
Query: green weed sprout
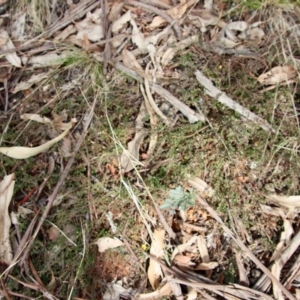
[(178, 199)]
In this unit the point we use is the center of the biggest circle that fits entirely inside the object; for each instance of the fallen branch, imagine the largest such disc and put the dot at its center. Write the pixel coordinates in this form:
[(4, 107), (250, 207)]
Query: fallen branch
[(191, 115), (214, 92)]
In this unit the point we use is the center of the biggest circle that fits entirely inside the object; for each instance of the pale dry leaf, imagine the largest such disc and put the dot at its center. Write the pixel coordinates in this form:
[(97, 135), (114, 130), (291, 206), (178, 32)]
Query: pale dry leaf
[(106, 243), (24, 85), (274, 211), (183, 247), (129, 158), (178, 11), (66, 147), (138, 38), (36, 118), (130, 61), (6, 192), (47, 60), (203, 249), (166, 290), (115, 291), (168, 56), (202, 187), (192, 294), (206, 19), (120, 23), (115, 10), (183, 260), (92, 31), (157, 22), (23, 211), (18, 26), (285, 238), (254, 35), (243, 277), (61, 36), (171, 52), (26, 152), (208, 4), (176, 289), (287, 201), (277, 75), (157, 249), (7, 44), (206, 266)]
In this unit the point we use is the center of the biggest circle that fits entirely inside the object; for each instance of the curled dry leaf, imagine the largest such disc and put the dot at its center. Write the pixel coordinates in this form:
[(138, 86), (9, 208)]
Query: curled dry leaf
[(277, 75), (6, 192), (26, 152), (106, 243), (6, 44), (156, 249), (287, 201)]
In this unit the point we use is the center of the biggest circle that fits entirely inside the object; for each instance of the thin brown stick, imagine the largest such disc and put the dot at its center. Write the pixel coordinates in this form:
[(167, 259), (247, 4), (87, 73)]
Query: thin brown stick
[(59, 183)]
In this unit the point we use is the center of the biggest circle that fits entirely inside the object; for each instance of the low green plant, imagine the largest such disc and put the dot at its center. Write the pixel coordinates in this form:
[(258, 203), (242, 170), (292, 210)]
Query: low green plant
[(178, 199)]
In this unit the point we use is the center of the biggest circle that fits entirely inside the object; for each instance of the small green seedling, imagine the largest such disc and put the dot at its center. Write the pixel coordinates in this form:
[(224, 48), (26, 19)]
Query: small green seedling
[(178, 199)]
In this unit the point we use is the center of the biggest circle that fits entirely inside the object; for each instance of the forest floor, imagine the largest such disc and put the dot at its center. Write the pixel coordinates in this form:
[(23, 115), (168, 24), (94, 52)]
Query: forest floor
[(149, 149)]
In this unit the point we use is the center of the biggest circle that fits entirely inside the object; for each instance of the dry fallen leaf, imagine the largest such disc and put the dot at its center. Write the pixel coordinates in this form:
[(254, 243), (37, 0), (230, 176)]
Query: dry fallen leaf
[(6, 192), (106, 243), (24, 85), (287, 201), (129, 158), (277, 75), (26, 152), (156, 249), (121, 22), (157, 21), (178, 11), (6, 44)]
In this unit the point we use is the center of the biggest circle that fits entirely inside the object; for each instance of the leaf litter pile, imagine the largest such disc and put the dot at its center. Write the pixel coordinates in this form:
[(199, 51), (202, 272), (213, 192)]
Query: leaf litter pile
[(149, 149)]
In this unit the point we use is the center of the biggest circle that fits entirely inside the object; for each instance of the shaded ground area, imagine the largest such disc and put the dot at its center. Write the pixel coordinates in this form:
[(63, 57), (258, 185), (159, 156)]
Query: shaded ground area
[(144, 196)]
